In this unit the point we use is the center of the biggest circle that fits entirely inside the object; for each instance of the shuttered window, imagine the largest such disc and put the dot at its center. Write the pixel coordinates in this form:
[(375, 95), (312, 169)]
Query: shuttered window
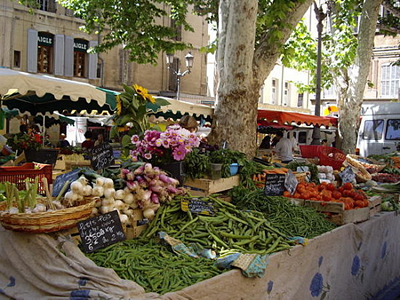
[(45, 52), (390, 77), (69, 57)]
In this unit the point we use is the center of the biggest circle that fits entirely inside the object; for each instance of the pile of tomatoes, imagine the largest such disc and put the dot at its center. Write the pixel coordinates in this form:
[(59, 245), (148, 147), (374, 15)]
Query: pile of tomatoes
[(351, 197)]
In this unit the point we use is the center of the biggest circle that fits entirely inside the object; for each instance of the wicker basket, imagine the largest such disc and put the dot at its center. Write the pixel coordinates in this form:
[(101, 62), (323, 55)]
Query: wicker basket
[(45, 222), (371, 165)]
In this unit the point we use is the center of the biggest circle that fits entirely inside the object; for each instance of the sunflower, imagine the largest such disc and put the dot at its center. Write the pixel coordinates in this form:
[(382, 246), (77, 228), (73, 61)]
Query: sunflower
[(140, 90), (119, 105), (144, 93)]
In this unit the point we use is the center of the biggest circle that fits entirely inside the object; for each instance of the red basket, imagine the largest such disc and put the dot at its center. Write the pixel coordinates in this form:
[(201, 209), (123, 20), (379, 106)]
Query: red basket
[(330, 156), (309, 151), (18, 174)]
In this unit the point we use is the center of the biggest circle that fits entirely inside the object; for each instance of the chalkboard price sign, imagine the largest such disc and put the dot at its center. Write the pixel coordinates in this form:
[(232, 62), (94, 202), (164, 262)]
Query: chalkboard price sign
[(101, 231), (274, 184), (102, 156), (61, 179), (198, 206)]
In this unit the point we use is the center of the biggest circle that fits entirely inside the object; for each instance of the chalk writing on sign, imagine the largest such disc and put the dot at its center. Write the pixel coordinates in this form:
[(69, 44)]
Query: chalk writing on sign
[(274, 184), (102, 156), (198, 206), (101, 231)]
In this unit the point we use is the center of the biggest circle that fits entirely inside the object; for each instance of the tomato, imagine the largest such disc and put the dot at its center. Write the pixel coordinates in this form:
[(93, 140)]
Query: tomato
[(336, 194), (330, 187), (358, 196), (348, 186), (287, 194), (359, 203)]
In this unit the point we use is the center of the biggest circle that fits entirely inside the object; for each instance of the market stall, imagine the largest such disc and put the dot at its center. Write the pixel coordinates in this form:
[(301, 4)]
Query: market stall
[(352, 262)]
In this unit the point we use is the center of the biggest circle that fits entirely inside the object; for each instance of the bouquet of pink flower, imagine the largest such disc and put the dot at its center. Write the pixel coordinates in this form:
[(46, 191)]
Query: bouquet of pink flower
[(164, 147)]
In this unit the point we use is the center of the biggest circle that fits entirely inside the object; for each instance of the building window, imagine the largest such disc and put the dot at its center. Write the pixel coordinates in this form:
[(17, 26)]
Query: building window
[(274, 91), (80, 57), (286, 94), (300, 98), (45, 52), (47, 5), (17, 59), (390, 81), (178, 30)]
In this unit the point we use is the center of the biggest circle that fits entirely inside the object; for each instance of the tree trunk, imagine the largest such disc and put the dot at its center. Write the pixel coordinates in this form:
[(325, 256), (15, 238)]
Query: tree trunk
[(236, 96), (353, 81), (242, 69)]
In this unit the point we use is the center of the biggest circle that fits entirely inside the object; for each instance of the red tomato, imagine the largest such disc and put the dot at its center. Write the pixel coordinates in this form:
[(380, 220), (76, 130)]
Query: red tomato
[(348, 186)]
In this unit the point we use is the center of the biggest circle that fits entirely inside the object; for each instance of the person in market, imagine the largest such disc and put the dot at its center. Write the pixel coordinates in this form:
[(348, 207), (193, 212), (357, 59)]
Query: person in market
[(88, 143), (189, 123), (284, 148), (100, 140), (63, 143), (266, 142)]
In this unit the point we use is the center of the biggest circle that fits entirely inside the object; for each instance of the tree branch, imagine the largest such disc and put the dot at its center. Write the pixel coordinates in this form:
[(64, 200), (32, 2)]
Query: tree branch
[(389, 6)]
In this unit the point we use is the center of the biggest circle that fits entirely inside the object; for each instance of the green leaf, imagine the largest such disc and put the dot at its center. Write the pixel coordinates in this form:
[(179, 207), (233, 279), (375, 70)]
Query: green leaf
[(126, 141)]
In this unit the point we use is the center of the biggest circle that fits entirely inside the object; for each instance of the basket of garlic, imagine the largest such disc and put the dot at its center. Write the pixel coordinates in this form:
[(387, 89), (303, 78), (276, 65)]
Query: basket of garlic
[(25, 211)]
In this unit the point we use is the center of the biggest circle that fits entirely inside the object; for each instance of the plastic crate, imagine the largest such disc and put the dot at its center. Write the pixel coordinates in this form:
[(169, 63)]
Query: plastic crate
[(330, 156), (18, 174), (310, 151)]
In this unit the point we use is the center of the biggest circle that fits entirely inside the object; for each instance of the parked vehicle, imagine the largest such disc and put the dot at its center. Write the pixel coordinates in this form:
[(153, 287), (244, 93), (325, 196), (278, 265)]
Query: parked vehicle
[(379, 131)]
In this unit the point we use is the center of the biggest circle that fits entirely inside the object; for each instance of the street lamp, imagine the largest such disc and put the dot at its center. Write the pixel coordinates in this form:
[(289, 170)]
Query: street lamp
[(189, 64)]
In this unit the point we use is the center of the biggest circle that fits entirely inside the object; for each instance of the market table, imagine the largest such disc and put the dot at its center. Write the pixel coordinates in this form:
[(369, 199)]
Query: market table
[(354, 261)]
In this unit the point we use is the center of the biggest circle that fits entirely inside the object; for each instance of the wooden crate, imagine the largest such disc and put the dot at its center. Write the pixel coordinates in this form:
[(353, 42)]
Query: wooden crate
[(205, 187), (137, 224), (374, 205), (337, 214)]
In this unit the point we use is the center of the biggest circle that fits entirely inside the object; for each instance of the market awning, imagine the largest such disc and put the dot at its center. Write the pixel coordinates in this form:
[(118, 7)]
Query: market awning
[(43, 93), (177, 108), (298, 118), (274, 125)]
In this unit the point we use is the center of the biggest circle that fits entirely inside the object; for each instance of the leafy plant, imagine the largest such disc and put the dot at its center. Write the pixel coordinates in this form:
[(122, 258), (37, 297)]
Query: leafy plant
[(197, 164), (133, 106), (24, 141)]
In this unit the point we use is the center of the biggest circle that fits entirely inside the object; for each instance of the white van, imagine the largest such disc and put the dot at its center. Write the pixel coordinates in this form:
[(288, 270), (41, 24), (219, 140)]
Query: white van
[(379, 131)]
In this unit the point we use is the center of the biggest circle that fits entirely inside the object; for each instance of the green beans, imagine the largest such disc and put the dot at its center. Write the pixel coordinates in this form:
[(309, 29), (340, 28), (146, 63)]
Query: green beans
[(230, 228), (154, 266), (288, 218)]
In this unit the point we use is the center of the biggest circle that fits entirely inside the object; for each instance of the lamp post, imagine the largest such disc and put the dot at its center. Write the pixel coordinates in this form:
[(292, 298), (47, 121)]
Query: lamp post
[(320, 17), (189, 64)]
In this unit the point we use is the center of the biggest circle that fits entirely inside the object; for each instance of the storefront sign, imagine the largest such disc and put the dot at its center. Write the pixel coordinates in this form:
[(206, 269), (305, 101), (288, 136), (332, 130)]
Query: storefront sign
[(80, 45), (101, 231), (45, 39)]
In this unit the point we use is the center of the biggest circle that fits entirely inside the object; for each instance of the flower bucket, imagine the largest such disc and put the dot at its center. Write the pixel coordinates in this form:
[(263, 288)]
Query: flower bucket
[(175, 170), (44, 156), (234, 168), (216, 171)]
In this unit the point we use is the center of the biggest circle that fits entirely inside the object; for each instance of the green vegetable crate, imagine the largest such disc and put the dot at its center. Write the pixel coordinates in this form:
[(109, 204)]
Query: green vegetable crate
[(205, 187)]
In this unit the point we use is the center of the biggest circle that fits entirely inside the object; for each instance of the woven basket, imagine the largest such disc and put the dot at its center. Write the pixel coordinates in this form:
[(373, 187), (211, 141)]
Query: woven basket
[(371, 165), (45, 222)]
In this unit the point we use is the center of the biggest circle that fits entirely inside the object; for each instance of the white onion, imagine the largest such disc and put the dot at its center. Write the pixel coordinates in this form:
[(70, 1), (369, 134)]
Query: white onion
[(98, 191), (129, 198), (108, 183), (109, 192), (149, 213), (100, 181), (87, 190), (77, 187)]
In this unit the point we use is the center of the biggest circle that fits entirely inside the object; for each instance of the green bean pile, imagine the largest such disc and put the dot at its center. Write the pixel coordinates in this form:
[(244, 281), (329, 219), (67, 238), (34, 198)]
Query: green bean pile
[(154, 266), (291, 219), (230, 229)]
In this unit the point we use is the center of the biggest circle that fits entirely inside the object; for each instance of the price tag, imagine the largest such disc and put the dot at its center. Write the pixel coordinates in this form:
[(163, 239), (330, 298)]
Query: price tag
[(347, 175), (198, 206), (61, 179), (291, 182), (274, 184), (101, 231), (102, 156)]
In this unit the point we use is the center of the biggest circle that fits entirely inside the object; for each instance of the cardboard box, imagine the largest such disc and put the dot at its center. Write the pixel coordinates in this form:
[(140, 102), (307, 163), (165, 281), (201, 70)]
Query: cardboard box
[(205, 187), (337, 214)]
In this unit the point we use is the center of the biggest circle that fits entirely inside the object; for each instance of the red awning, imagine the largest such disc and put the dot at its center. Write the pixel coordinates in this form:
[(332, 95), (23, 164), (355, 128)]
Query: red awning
[(298, 118), (275, 125)]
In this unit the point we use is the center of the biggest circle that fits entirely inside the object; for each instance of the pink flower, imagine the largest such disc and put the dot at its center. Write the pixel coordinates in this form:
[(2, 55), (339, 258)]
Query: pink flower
[(179, 153)]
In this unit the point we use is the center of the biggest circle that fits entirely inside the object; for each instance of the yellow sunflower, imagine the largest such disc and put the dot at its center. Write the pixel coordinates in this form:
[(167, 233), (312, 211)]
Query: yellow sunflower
[(150, 98), (140, 90), (119, 105)]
